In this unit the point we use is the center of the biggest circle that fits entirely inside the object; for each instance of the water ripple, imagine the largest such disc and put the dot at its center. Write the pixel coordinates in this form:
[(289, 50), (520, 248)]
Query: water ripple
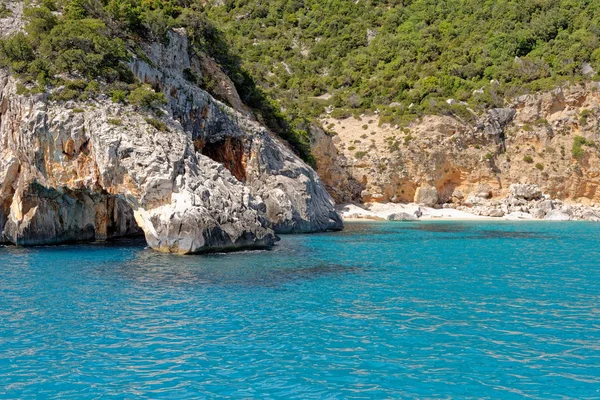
[(377, 311)]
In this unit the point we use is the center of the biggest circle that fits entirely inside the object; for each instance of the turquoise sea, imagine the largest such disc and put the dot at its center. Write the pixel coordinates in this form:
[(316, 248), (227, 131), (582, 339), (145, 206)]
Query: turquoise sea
[(381, 310)]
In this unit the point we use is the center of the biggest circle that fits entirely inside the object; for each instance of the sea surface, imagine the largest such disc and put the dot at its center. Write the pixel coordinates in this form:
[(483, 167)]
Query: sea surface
[(381, 310)]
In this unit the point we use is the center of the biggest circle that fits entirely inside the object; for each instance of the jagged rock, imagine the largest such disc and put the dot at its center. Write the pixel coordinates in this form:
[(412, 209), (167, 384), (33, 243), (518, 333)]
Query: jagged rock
[(402, 217), (527, 192), (212, 179), (295, 197), (496, 213), (73, 166), (587, 69), (558, 215), (591, 216), (474, 200), (545, 205), (538, 213), (497, 119), (459, 195), (426, 196)]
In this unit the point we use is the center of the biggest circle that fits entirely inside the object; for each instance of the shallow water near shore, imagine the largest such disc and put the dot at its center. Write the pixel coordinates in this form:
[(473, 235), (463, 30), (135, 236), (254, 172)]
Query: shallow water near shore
[(381, 310)]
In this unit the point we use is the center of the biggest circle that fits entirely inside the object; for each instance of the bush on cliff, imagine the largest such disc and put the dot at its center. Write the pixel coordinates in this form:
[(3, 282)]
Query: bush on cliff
[(369, 54), (93, 40)]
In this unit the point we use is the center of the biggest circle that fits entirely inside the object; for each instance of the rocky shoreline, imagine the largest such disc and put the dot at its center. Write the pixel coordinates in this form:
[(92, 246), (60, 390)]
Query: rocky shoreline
[(524, 202), (194, 176)]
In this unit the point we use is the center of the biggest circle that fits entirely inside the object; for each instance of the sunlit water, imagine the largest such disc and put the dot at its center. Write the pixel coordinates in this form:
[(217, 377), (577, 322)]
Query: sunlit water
[(381, 310)]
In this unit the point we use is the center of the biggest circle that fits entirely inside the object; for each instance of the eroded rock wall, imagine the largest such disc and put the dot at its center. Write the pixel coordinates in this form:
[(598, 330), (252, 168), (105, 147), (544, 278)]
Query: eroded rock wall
[(528, 142), (207, 177), (294, 195)]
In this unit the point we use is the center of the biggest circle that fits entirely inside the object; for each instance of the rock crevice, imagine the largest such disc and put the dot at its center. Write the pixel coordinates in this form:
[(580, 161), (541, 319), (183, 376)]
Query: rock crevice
[(211, 179)]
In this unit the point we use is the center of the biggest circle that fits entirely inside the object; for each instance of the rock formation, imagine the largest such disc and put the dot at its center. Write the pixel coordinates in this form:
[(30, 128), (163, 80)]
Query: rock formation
[(200, 177), (470, 159)]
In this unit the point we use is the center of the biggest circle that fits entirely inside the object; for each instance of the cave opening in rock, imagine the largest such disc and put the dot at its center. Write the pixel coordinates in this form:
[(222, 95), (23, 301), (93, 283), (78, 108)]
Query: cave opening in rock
[(229, 152)]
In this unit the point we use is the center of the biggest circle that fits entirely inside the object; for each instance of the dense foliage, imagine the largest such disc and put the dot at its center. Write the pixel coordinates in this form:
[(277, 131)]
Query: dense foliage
[(289, 59), (368, 54), (78, 49)]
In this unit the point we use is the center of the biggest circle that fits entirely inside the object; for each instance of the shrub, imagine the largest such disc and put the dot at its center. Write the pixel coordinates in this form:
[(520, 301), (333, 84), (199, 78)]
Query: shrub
[(118, 96), (157, 124), (115, 121), (583, 116), (360, 154), (145, 97), (577, 150), (489, 156), (190, 76), (539, 166), (528, 159), (5, 12)]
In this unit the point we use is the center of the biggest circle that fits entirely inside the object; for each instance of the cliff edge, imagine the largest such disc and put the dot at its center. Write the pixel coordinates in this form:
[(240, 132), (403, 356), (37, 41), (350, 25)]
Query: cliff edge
[(196, 176)]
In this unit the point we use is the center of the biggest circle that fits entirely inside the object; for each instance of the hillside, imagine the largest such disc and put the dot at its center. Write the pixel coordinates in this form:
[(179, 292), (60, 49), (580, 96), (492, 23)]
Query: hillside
[(409, 57)]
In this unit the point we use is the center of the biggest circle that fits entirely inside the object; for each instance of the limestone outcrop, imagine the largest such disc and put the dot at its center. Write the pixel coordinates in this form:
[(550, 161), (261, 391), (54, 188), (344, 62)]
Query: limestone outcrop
[(196, 176), (548, 139)]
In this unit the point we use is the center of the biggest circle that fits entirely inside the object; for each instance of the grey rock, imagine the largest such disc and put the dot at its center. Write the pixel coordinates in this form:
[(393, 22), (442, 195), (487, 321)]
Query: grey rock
[(214, 180), (496, 213), (558, 215), (525, 191), (588, 70), (545, 205), (426, 196), (498, 119), (538, 213), (295, 198), (590, 215), (402, 217)]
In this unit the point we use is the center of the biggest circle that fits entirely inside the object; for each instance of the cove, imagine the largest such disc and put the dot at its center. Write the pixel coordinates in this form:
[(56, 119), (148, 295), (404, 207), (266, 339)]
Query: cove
[(380, 310)]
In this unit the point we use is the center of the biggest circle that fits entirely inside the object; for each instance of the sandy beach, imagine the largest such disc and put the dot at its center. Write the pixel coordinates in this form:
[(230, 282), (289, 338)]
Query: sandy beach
[(415, 212)]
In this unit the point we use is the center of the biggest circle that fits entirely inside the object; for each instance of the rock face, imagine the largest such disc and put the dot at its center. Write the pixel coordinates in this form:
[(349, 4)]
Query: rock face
[(207, 178), (427, 196), (527, 192), (530, 140)]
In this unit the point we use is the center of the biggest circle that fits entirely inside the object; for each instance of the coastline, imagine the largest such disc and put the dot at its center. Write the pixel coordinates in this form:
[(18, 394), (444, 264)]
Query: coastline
[(412, 212)]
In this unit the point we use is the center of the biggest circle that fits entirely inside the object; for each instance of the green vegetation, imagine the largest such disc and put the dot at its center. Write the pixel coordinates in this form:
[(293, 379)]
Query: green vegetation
[(146, 98), (360, 154), (78, 49), (528, 159), (539, 166), (389, 54), (115, 121), (583, 116), (404, 58), (577, 150), (157, 124), (5, 12)]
